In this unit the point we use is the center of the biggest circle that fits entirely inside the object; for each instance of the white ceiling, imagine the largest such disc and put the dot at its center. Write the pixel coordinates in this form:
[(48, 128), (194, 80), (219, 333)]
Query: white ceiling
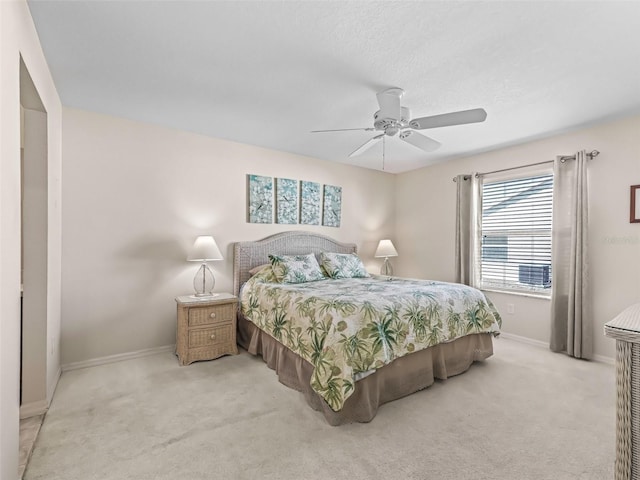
[(266, 73)]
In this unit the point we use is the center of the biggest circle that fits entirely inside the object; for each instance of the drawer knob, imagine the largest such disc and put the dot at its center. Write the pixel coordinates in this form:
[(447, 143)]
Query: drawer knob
[(212, 315), (213, 336)]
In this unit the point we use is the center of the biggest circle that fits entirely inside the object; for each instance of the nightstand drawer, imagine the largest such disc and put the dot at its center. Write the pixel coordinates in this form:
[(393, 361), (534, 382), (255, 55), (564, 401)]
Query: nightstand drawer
[(211, 336), (214, 314)]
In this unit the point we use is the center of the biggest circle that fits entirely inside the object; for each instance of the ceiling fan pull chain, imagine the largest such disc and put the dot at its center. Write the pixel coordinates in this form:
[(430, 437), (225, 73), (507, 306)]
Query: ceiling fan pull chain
[(383, 149)]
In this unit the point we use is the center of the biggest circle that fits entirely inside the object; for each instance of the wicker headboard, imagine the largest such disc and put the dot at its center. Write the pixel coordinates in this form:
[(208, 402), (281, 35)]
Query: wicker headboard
[(247, 255)]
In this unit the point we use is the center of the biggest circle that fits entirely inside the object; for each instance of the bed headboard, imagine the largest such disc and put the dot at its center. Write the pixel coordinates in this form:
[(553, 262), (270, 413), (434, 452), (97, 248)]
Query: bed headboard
[(247, 255)]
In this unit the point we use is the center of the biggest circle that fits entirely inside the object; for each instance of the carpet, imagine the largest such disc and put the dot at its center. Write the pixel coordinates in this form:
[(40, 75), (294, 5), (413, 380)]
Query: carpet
[(525, 413)]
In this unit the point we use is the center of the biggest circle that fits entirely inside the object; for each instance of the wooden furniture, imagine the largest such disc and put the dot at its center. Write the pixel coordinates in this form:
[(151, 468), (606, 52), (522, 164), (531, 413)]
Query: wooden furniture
[(403, 376), (625, 329), (206, 327)]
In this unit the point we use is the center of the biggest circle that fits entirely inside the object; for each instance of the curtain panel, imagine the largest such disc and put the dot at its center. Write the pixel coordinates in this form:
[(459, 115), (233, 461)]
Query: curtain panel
[(571, 325), (468, 215)]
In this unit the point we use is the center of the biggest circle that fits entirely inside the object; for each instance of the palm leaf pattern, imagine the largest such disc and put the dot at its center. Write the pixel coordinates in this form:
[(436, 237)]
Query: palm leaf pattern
[(384, 336), (343, 265), (279, 322), (416, 317), (355, 348), (343, 307), (454, 322), (348, 326)]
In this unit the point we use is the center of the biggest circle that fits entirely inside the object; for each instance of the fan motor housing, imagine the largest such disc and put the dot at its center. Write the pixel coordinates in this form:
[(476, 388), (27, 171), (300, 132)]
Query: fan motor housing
[(384, 123)]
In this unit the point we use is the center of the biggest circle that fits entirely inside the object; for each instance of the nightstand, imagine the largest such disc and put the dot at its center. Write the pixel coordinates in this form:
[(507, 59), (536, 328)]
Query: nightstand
[(206, 327)]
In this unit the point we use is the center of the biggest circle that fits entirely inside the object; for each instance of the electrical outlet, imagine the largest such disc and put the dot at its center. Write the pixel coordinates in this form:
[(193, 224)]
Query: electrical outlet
[(511, 308)]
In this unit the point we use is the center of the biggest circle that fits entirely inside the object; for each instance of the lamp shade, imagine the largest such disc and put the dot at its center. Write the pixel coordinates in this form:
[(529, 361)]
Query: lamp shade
[(204, 249), (385, 249)]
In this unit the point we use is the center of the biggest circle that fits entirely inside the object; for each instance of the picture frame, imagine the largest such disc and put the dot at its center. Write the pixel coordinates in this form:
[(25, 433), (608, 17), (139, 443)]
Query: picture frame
[(634, 210), (331, 206), (287, 210), (310, 202), (259, 199)]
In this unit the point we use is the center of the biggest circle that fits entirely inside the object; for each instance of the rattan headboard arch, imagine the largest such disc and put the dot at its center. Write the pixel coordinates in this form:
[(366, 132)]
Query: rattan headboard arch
[(247, 255)]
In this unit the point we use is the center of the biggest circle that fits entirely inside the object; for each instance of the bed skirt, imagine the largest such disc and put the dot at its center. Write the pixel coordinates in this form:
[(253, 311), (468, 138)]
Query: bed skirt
[(403, 376)]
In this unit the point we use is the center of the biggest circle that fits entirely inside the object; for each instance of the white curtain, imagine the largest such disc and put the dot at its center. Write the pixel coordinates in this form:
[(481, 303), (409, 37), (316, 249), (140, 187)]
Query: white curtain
[(468, 208), (571, 325)]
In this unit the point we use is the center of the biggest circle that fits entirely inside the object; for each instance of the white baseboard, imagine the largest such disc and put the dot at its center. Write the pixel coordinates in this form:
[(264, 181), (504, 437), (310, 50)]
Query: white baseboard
[(539, 343), (527, 340), (119, 357), (33, 408), (52, 388), (41, 406), (603, 359)]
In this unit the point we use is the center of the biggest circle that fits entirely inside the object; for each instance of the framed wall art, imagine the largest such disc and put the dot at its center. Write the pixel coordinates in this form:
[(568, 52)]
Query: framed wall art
[(259, 199), (634, 216), (332, 206), (286, 201), (310, 203)]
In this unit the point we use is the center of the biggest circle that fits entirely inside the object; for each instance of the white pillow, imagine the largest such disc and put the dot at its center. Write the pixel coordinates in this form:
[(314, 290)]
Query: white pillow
[(296, 268), (343, 265)]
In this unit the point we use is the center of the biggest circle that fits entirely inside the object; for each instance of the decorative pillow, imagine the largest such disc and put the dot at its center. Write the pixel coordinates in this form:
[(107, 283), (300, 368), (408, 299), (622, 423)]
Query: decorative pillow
[(255, 270), (265, 275), (296, 268), (343, 265)]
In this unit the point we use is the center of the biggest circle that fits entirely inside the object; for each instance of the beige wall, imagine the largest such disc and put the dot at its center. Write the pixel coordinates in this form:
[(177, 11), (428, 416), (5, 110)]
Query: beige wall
[(136, 196), (18, 37), (425, 218)]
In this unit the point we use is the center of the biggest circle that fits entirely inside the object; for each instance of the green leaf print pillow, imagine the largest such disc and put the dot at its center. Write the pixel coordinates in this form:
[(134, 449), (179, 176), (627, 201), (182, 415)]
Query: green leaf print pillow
[(296, 268), (343, 265)]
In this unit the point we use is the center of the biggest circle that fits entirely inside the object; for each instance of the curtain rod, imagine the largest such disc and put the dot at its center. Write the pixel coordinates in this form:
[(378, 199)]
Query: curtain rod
[(592, 154)]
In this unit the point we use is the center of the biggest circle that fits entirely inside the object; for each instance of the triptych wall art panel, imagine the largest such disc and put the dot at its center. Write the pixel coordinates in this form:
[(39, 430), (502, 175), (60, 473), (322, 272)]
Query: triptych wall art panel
[(332, 206), (260, 199), (304, 202), (310, 207), (286, 201)]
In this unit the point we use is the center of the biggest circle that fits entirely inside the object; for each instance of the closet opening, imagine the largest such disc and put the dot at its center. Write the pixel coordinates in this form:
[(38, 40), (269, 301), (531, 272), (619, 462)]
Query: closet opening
[(33, 257)]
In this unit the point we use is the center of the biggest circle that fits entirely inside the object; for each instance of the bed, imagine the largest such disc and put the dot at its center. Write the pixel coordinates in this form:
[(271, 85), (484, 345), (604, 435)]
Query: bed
[(325, 338)]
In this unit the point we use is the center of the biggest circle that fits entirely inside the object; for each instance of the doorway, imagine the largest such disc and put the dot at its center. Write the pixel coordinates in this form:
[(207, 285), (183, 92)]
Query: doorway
[(34, 242)]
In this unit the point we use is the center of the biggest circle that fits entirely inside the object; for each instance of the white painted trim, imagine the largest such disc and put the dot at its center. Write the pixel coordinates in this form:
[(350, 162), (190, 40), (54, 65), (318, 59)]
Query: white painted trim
[(52, 390), (520, 293), (33, 408), (527, 340), (603, 359), (41, 406), (119, 357), (538, 343)]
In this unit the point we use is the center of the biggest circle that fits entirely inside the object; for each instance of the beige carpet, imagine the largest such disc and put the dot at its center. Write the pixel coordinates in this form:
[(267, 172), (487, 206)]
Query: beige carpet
[(525, 413)]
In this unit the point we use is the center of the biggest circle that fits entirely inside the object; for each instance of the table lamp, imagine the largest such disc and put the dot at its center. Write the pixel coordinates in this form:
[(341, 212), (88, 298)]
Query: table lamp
[(204, 250), (386, 249)]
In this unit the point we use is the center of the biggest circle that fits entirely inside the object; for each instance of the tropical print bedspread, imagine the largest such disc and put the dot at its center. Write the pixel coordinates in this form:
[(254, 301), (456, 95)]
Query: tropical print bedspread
[(345, 327)]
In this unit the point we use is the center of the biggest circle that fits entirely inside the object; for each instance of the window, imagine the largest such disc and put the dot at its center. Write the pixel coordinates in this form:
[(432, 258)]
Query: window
[(515, 235), (495, 248)]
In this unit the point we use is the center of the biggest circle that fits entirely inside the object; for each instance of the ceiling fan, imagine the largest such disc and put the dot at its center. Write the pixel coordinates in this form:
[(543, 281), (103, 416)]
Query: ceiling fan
[(394, 119)]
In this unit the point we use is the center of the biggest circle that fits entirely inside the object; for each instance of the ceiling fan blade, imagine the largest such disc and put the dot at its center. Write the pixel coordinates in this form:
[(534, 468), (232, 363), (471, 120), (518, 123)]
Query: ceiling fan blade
[(418, 140), (367, 145), (368, 129), (447, 119), (389, 101)]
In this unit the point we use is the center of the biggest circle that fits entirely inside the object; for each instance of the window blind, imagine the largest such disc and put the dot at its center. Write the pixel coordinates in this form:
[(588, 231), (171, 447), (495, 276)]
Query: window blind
[(515, 234)]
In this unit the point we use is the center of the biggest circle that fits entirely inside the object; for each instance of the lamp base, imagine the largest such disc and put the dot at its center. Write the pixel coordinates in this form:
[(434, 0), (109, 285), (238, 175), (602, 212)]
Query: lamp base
[(204, 295), (386, 268), (204, 281)]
